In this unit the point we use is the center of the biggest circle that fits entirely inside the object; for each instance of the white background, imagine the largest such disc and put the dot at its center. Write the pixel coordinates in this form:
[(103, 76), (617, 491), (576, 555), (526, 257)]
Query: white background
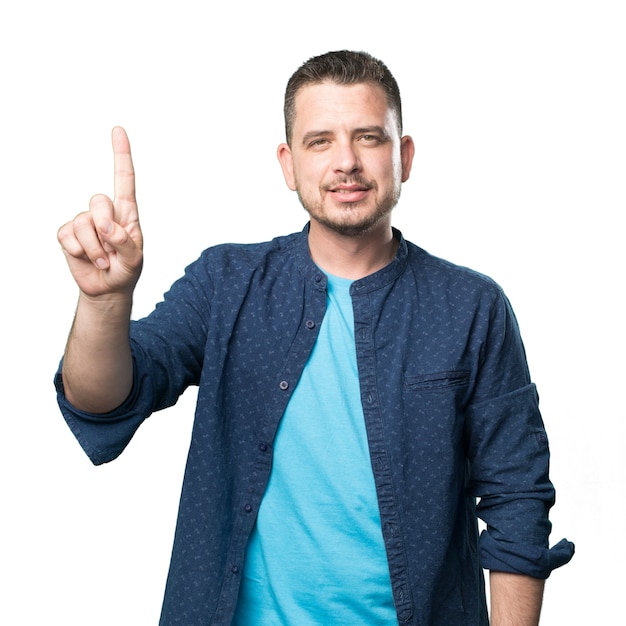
[(518, 113)]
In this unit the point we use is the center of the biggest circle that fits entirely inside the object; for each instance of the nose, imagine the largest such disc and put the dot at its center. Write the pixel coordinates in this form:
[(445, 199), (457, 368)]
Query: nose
[(346, 158)]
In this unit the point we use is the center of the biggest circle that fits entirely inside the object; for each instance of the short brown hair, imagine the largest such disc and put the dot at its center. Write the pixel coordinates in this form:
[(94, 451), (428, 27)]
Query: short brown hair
[(343, 67)]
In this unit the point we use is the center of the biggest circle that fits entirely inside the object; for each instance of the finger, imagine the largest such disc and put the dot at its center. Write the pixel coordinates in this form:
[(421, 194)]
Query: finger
[(93, 234), (124, 177), (112, 236), (102, 213), (66, 236), (79, 239)]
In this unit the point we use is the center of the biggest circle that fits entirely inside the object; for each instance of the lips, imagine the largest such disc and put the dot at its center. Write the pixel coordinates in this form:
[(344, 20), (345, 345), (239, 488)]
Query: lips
[(349, 193)]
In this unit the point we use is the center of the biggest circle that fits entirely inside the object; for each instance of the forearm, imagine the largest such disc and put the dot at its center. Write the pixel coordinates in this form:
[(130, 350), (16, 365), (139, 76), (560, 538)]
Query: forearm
[(97, 367), (515, 599)]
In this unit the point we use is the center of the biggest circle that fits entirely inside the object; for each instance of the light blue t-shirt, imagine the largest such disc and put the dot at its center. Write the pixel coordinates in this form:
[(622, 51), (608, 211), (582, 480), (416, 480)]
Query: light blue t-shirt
[(316, 555)]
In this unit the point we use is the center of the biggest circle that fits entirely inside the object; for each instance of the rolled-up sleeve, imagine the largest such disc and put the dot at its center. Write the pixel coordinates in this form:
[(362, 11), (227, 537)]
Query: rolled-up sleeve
[(167, 349), (103, 437), (509, 458)]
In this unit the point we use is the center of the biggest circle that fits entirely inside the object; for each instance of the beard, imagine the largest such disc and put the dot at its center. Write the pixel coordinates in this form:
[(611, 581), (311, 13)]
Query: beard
[(350, 220)]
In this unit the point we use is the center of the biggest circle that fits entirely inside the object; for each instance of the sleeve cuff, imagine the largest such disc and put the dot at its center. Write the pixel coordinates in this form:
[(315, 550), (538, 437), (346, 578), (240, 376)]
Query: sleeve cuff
[(103, 437), (534, 561)]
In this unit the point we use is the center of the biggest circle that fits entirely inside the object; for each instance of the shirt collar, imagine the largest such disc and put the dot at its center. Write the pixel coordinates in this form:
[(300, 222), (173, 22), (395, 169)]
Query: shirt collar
[(366, 284)]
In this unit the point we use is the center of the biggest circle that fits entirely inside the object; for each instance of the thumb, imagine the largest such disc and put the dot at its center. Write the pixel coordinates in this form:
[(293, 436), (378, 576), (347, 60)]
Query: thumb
[(105, 230), (118, 240), (102, 211)]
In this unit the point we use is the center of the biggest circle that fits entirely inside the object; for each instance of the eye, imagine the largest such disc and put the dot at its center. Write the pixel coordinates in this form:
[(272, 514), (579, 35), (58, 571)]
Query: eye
[(319, 143), (370, 139)]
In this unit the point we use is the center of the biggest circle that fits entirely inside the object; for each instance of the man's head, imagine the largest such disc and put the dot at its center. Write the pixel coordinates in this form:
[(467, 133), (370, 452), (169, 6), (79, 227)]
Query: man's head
[(345, 156), (343, 68)]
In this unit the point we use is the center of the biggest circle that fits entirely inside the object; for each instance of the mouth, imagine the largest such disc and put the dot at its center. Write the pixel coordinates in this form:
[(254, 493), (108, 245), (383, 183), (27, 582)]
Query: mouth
[(349, 192)]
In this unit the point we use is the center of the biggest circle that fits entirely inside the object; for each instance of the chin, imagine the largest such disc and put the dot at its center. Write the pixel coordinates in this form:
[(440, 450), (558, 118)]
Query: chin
[(352, 227), (352, 220)]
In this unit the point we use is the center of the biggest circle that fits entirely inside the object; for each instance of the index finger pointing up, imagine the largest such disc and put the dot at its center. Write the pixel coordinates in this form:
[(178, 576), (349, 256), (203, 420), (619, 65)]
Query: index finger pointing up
[(124, 173)]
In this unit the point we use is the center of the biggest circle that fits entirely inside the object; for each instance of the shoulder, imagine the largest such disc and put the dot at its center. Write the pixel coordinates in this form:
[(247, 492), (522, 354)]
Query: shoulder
[(432, 269), (461, 295), (229, 260), (251, 252)]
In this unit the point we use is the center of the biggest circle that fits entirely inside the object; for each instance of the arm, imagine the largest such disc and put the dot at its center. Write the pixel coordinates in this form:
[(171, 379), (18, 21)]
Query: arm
[(509, 455), (515, 599), (103, 248)]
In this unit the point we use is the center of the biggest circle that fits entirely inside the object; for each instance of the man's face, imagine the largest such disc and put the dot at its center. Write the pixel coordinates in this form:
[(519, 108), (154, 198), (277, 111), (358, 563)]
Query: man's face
[(346, 159)]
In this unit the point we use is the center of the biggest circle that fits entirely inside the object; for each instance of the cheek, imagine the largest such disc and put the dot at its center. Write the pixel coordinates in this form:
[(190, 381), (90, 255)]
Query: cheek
[(308, 175), (385, 165)]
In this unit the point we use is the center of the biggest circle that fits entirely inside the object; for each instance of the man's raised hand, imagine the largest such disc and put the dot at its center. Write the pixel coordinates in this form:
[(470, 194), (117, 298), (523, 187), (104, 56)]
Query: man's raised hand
[(103, 246)]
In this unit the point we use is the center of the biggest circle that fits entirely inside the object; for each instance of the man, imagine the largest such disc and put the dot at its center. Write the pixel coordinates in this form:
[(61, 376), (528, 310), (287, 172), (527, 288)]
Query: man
[(356, 395)]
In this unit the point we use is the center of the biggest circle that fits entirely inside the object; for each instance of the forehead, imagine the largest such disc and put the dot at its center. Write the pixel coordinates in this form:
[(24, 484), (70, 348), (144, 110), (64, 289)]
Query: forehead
[(327, 105)]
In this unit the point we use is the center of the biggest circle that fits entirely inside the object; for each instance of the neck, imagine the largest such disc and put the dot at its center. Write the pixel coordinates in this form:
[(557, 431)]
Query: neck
[(352, 256)]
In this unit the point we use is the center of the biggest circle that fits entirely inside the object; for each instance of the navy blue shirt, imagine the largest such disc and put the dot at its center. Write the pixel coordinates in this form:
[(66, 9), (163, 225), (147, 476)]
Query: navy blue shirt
[(451, 416)]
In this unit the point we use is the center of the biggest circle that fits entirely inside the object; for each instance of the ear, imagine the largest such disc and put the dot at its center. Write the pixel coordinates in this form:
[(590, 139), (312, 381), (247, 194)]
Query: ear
[(286, 162), (407, 151)]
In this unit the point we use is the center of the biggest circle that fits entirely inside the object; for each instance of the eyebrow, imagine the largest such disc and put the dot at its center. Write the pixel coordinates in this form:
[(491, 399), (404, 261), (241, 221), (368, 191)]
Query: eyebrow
[(315, 134), (375, 130)]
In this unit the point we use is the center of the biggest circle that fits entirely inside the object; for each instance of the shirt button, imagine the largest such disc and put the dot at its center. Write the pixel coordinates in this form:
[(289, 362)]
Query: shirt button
[(318, 278), (235, 569), (263, 446), (284, 385), (247, 508), (310, 324)]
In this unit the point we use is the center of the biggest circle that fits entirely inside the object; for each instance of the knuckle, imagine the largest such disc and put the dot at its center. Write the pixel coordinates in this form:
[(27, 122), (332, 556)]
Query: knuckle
[(82, 220), (99, 198), (63, 232)]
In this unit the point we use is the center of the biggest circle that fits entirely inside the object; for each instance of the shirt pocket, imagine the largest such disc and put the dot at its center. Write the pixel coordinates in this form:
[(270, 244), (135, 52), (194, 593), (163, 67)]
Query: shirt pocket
[(437, 381), (434, 409)]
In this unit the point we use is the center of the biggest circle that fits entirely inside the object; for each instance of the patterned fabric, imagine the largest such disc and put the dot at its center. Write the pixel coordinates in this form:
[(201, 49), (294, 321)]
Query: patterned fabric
[(450, 413)]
